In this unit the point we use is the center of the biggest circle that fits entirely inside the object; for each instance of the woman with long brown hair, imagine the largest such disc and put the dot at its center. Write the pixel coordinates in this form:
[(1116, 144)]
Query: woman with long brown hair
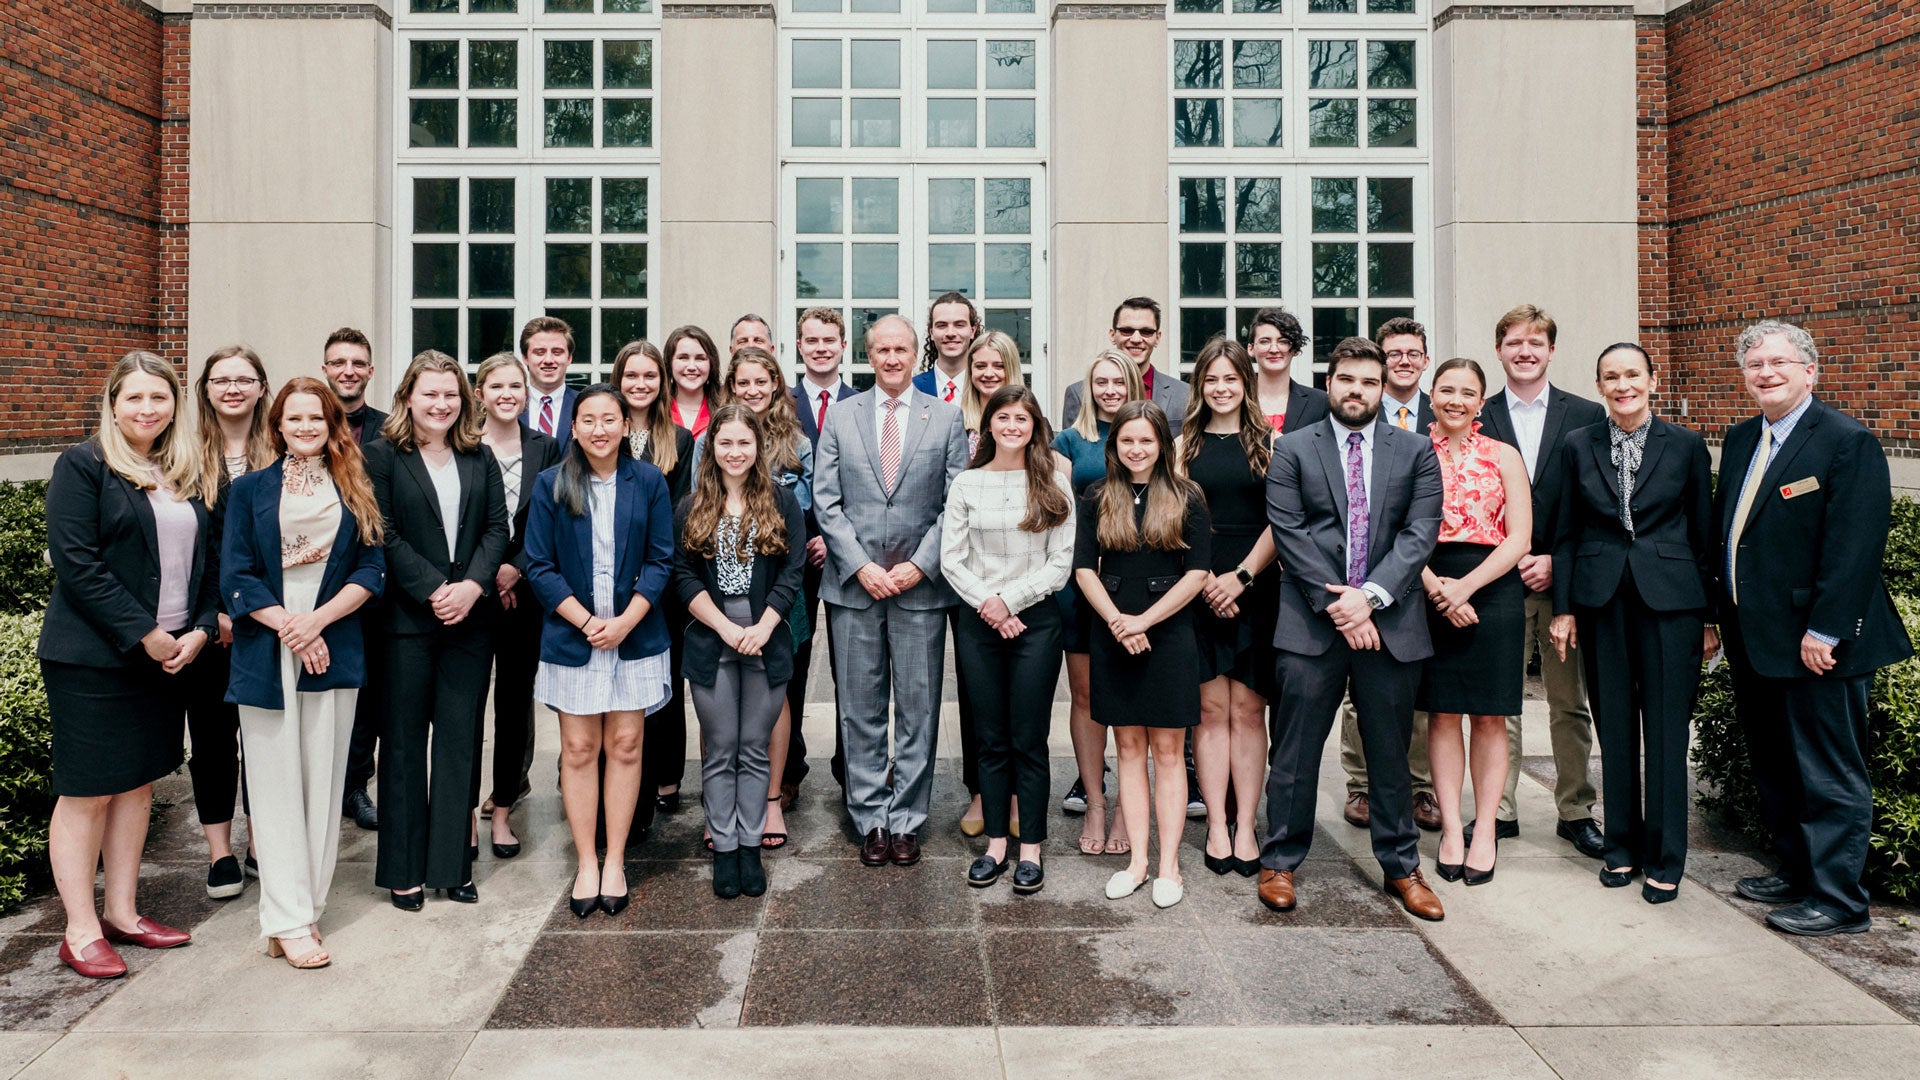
[(695, 366), (302, 555)]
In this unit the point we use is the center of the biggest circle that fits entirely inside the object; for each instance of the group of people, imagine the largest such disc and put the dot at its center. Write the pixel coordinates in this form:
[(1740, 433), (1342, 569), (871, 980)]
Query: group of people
[(1225, 567)]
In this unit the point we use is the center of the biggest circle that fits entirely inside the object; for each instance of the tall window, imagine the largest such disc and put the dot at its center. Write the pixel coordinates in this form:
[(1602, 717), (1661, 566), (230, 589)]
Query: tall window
[(1301, 138), (913, 135), (526, 173)]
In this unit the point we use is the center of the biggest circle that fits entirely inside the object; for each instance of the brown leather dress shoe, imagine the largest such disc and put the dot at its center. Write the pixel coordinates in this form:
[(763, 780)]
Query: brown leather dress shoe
[(1358, 815), (873, 850), (905, 850), (1413, 894), (1426, 811), (1276, 889)]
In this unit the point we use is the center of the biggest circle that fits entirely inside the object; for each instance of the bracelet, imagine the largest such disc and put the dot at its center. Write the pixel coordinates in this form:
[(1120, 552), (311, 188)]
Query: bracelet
[(582, 624)]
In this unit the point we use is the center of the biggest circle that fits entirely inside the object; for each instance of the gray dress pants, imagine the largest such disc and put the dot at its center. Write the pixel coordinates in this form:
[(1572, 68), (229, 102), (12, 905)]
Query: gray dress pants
[(737, 714)]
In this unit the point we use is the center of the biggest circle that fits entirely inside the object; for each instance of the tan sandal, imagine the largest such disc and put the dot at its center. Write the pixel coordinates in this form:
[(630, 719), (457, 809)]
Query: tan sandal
[(1118, 843), (1094, 841), (315, 957)]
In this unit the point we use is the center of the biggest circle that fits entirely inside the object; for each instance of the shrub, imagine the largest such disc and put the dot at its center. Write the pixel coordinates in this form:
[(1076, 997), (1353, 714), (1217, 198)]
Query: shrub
[(25, 578), (26, 792)]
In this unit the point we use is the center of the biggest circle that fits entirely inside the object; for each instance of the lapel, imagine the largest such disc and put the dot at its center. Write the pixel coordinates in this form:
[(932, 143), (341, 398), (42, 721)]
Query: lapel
[(863, 407), (1736, 455), (266, 524), (1385, 453), (1602, 449), (1498, 422), (1551, 431), (1332, 465), (626, 502), (919, 416), (142, 512), (473, 496), (1656, 443), (416, 467), (1775, 473)]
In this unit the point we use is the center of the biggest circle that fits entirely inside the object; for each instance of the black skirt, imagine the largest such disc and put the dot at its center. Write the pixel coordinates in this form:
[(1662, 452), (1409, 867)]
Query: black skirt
[(1476, 670), (1159, 688), (114, 729)]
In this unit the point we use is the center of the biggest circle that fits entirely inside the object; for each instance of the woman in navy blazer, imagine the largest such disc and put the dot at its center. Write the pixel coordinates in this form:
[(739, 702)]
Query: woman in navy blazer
[(302, 556), (599, 549)]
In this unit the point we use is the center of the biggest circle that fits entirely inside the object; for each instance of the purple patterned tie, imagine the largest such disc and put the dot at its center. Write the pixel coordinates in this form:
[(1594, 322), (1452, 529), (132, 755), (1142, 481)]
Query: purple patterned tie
[(1356, 513)]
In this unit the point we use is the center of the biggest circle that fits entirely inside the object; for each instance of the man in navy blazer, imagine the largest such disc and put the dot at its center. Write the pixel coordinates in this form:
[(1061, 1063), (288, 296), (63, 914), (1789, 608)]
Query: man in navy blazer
[(347, 363), (1353, 618), (1802, 513), (546, 346), (952, 325)]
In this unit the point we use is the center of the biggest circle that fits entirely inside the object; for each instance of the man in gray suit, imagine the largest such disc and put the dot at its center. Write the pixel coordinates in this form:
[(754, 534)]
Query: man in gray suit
[(880, 480), (1136, 331), (1355, 508)]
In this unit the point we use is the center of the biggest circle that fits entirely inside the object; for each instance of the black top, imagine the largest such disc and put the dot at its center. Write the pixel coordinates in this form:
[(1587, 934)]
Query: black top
[(1146, 563), (1565, 413), (366, 422), (680, 477), (1236, 497), (1671, 549), (418, 561), (775, 584)]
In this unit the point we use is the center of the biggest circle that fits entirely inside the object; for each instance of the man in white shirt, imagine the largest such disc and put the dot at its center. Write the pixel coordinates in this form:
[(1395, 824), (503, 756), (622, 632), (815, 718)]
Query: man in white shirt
[(952, 324), (822, 345), (546, 346)]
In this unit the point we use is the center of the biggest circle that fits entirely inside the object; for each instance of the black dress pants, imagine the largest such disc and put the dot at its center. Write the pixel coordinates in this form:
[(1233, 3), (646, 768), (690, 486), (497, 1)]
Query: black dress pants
[(368, 710), (437, 690), (213, 725), (963, 695), (1012, 712), (515, 646)]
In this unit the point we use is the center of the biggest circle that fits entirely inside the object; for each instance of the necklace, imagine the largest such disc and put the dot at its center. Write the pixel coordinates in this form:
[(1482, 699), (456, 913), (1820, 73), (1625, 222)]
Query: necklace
[(1139, 492)]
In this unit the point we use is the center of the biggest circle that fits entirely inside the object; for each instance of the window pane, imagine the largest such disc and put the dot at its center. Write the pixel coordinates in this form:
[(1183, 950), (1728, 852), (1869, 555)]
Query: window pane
[(950, 206), (433, 123), (1016, 323), (1379, 315), (623, 205), (817, 270), (623, 271), (816, 64), (1390, 205), (1333, 205), (570, 271), (1196, 65), (493, 122), (436, 328), (1010, 122), (1257, 205), (569, 122), (490, 206), (1332, 65), (1389, 7), (817, 205), (876, 65), (485, 7), (1336, 270), (1009, 7), (952, 6), (1389, 269), (434, 7), (1390, 65), (1331, 122), (490, 270), (873, 5), (626, 7), (1256, 7), (1331, 326), (1197, 325), (1196, 122), (1197, 7), (493, 65), (876, 121), (628, 65), (1009, 206), (570, 205), (876, 269), (436, 205), (1010, 65), (1009, 271), (950, 269), (436, 271), (1203, 269), (569, 65), (876, 205), (950, 122), (619, 326), (1257, 121), (1330, 7), (580, 320), (627, 122), (1390, 122), (1202, 204), (816, 121), (1256, 65), (434, 65), (489, 330), (1256, 270), (950, 65), (816, 5)]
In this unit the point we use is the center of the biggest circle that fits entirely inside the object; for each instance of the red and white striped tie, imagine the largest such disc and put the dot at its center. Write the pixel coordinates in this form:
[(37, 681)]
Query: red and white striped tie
[(546, 414), (890, 443)]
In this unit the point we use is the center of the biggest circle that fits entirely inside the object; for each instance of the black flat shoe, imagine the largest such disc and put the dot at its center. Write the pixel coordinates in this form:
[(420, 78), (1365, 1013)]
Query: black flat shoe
[(1768, 889), (1502, 829), (464, 894), (1655, 895), (583, 906), (1618, 879), (1029, 877), (505, 851), (1449, 871), (1475, 877), (668, 803), (614, 905), (753, 876), (985, 871), (408, 901), (1219, 864)]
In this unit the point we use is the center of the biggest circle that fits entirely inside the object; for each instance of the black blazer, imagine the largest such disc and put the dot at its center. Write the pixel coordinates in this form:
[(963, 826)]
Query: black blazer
[(538, 453), (775, 584), (1565, 413), (372, 420), (809, 408), (417, 558), (680, 480), (105, 549), (1671, 551), (1811, 552)]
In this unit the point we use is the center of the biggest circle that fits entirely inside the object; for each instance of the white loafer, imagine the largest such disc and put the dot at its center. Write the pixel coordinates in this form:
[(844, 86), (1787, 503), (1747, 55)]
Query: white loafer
[(1122, 885), (1167, 892)]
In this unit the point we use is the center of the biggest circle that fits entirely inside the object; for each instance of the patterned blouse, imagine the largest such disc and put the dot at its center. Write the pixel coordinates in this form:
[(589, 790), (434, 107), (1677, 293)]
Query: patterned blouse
[(1474, 509), (735, 573), (309, 513)]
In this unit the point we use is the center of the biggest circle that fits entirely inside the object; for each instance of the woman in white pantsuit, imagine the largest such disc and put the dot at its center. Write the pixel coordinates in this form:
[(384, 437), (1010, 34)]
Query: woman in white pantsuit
[(301, 555)]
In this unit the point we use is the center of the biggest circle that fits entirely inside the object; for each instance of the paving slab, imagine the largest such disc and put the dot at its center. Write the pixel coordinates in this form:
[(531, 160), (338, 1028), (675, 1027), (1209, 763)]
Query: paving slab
[(1108, 977), (18, 1048), (255, 1055), (844, 1053), (1345, 976), (1748, 1053), (1431, 1053), (629, 980), (933, 978)]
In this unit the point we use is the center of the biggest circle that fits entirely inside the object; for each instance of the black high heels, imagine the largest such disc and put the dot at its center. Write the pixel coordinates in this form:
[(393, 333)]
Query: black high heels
[(408, 901), (614, 905), (582, 906), (1475, 877), (505, 851), (1449, 871), (1220, 864)]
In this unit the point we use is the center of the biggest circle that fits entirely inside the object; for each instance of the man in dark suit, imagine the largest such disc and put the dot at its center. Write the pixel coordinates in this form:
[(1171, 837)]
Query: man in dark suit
[(1534, 418), (546, 346), (347, 363), (1135, 330), (1354, 506), (1802, 513), (952, 324)]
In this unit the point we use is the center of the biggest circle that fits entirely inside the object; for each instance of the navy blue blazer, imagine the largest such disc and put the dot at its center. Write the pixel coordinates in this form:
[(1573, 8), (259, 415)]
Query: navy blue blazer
[(562, 417), (250, 579), (807, 401), (559, 550), (928, 382)]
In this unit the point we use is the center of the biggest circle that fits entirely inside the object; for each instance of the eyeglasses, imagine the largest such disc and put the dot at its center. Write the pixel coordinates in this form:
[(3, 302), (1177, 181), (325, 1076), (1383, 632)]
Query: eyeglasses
[(1136, 331), (234, 382), (1412, 354), (357, 365), (1755, 367)]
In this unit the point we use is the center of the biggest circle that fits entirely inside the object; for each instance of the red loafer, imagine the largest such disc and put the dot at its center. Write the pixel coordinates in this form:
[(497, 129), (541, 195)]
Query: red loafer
[(147, 934), (96, 961)]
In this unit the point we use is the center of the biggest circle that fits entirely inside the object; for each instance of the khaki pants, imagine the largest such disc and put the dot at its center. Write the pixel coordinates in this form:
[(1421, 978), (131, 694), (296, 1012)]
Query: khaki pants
[(1569, 726), (1353, 758)]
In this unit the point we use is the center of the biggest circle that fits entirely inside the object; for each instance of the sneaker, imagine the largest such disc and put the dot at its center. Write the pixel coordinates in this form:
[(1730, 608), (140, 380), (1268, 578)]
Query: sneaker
[(1076, 800), (1196, 806), (252, 868), (224, 879)]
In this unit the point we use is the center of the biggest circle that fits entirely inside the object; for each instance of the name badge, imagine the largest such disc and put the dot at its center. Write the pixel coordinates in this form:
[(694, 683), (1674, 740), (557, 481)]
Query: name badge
[(1800, 487)]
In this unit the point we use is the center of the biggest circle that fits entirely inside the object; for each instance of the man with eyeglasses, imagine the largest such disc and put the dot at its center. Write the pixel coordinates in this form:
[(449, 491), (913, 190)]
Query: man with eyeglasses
[(1802, 510), (1404, 405), (347, 363), (1136, 331)]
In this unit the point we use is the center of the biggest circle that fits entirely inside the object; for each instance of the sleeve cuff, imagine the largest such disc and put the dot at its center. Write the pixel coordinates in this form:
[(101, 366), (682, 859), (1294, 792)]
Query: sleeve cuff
[(1823, 638), (1379, 593)]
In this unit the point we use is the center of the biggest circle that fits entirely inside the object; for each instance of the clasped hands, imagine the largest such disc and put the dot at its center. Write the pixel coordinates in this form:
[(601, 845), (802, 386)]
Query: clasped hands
[(1450, 597), (173, 653), (1353, 616), (883, 584), (1001, 618), (1130, 631), (746, 640), (1222, 594), (453, 600)]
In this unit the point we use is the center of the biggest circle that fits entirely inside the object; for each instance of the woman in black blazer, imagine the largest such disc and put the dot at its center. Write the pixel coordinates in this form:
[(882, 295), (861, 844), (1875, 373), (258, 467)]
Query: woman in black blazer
[(1274, 341), (522, 454), (301, 557), (1632, 584), (445, 529), (738, 569), (134, 602)]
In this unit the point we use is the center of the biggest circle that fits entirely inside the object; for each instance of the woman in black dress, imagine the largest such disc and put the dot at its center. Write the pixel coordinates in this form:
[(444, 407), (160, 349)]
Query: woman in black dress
[(133, 604), (1225, 445), (1141, 555)]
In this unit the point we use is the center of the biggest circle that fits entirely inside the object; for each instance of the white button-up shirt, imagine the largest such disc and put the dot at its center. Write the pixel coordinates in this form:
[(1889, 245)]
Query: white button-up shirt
[(1529, 426)]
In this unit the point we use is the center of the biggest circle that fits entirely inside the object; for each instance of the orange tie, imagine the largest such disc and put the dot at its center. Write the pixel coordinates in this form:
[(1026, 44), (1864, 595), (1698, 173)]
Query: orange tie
[(1405, 423)]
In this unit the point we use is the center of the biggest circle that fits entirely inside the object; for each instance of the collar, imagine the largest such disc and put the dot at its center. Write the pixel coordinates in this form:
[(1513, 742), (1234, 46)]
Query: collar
[(1784, 426), (1539, 402), (814, 389), (1412, 404), (1341, 431), (1146, 379), (538, 394), (880, 396)]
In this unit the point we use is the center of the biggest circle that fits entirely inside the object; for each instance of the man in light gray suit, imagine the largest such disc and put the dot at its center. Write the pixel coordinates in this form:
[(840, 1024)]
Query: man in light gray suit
[(1355, 508), (1135, 330), (880, 480)]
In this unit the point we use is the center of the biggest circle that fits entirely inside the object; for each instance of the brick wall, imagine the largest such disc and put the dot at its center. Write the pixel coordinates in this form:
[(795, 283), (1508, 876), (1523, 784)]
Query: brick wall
[(1780, 150), (80, 151)]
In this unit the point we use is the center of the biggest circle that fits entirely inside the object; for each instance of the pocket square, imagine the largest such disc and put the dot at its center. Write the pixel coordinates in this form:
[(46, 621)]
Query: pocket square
[(1800, 487)]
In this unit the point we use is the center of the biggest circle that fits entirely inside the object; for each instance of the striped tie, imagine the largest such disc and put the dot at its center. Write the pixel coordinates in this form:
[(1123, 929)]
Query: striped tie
[(890, 443), (546, 415)]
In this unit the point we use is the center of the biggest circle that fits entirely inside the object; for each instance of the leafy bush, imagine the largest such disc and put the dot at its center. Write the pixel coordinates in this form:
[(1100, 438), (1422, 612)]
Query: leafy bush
[(26, 792), (1902, 563), (25, 578)]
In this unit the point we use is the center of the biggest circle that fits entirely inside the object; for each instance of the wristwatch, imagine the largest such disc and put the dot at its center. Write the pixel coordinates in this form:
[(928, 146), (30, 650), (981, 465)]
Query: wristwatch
[(1373, 600), (1244, 576)]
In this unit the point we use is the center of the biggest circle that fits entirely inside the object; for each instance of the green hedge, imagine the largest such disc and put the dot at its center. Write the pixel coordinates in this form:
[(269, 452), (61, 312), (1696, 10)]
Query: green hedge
[(25, 577), (26, 742)]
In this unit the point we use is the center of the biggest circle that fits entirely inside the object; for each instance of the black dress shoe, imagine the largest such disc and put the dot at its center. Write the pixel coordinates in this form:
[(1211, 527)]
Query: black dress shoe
[(1449, 871), (1771, 889), (1653, 894), (873, 850), (614, 905), (1584, 835), (753, 874), (465, 894), (1502, 829), (408, 901), (985, 871), (251, 867), (1029, 877), (356, 805), (1618, 879), (505, 851), (1808, 921), (726, 874), (668, 803), (1475, 877)]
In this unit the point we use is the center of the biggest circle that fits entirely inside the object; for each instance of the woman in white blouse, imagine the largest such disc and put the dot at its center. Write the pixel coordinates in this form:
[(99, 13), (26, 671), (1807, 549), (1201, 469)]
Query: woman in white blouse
[(1006, 547)]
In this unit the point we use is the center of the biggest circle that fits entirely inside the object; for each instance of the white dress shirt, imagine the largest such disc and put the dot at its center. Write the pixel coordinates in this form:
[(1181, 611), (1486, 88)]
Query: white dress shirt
[(1529, 426), (1340, 433), (811, 391), (880, 418)]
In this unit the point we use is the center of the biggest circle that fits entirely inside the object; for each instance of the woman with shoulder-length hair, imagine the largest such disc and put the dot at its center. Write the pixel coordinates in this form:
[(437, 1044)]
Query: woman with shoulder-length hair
[(133, 605), (1141, 556), (445, 529), (599, 553), (1225, 446), (737, 569), (695, 367), (302, 556), (1633, 581), (230, 399), (1006, 546)]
